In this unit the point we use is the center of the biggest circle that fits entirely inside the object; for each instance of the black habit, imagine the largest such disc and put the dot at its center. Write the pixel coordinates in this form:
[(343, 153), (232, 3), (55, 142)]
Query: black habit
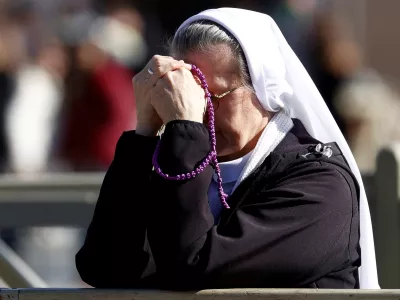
[(293, 223)]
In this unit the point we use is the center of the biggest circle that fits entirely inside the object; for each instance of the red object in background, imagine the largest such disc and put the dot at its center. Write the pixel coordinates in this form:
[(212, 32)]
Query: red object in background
[(97, 118)]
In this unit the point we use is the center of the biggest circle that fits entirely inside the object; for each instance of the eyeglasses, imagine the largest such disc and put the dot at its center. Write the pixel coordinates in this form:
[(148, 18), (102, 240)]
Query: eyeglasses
[(220, 96)]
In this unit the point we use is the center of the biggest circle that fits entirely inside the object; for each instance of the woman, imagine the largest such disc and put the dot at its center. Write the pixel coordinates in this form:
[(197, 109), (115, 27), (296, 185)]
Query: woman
[(294, 215)]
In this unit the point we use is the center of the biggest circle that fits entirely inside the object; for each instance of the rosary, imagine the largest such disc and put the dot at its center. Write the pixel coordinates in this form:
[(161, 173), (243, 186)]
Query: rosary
[(211, 158)]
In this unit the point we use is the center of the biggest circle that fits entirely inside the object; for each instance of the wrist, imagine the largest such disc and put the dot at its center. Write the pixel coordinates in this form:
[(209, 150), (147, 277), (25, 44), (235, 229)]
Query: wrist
[(146, 130), (198, 119), (187, 117)]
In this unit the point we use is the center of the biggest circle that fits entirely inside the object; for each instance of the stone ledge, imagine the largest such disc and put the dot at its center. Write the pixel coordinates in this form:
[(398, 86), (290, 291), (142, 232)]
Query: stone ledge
[(237, 294)]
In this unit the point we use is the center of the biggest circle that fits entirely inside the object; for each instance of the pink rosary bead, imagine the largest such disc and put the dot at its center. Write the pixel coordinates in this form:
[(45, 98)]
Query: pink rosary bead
[(211, 158)]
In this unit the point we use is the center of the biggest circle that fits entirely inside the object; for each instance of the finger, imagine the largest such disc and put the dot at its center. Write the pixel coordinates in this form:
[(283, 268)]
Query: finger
[(185, 65), (187, 72), (145, 74), (157, 67), (160, 65), (178, 63)]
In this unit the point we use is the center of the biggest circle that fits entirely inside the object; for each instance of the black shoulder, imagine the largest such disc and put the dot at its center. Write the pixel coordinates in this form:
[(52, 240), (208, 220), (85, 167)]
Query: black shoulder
[(327, 158), (310, 159)]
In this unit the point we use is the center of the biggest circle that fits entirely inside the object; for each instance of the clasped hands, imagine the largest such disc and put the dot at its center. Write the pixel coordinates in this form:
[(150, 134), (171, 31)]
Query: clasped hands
[(167, 92)]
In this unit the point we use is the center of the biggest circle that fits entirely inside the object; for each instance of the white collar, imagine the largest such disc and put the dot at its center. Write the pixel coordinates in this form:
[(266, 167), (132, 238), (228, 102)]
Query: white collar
[(273, 134), (237, 170)]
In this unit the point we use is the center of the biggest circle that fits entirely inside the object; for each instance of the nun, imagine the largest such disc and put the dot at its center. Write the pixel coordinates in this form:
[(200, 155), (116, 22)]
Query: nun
[(251, 183)]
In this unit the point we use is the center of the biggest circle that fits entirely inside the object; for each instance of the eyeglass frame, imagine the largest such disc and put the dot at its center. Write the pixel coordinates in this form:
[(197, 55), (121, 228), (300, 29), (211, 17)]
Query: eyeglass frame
[(222, 95), (217, 97)]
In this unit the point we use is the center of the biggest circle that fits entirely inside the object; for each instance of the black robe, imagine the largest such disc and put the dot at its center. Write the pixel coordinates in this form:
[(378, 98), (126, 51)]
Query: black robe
[(293, 223)]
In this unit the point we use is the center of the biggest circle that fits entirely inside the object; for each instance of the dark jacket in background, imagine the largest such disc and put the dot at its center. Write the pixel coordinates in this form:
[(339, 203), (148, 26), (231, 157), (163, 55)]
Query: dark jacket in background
[(293, 223)]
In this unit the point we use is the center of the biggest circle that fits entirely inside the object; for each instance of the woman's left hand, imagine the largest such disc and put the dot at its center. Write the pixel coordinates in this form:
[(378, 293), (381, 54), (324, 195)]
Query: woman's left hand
[(179, 96)]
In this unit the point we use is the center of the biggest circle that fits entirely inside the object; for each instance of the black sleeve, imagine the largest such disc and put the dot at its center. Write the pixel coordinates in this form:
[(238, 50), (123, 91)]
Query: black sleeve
[(290, 235), (112, 255)]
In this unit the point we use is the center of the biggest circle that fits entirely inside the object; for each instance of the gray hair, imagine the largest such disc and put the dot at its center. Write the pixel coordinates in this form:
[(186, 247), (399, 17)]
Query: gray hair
[(202, 36)]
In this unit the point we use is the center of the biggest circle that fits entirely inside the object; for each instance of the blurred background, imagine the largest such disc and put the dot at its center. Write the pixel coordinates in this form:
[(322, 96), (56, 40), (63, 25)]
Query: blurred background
[(66, 96)]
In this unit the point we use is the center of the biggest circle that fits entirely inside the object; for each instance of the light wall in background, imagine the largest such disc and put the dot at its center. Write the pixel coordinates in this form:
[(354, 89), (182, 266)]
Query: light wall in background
[(376, 27), (383, 36)]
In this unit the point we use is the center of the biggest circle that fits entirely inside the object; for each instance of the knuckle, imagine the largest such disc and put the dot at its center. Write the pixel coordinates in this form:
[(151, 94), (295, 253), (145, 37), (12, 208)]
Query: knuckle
[(169, 75), (158, 68), (157, 62), (184, 72), (135, 79), (158, 59), (158, 83), (172, 64)]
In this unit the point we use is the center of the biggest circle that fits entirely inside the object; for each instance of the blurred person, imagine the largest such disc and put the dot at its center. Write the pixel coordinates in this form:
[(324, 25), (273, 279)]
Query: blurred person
[(6, 90), (285, 207), (31, 28), (32, 122), (370, 109), (365, 105), (121, 34), (161, 18), (33, 112), (36, 61), (12, 54), (100, 100), (39, 68), (334, 58)]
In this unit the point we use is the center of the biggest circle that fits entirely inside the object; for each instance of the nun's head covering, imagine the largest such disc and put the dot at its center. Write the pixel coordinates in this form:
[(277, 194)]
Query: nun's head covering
[(281, 82)]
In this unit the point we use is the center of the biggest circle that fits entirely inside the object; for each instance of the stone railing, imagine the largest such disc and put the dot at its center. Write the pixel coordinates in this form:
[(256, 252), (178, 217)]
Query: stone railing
[(239, 294)]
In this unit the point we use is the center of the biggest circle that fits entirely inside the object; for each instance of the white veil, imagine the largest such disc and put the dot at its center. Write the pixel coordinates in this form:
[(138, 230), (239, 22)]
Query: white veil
[(281, 81)]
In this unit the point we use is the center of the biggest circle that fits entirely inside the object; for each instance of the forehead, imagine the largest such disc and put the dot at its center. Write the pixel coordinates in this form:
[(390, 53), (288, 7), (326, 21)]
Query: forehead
[(218, 64)]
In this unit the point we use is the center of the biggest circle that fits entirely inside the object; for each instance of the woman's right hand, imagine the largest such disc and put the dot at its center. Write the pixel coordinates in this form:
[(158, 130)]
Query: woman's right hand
[(148, 121)]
